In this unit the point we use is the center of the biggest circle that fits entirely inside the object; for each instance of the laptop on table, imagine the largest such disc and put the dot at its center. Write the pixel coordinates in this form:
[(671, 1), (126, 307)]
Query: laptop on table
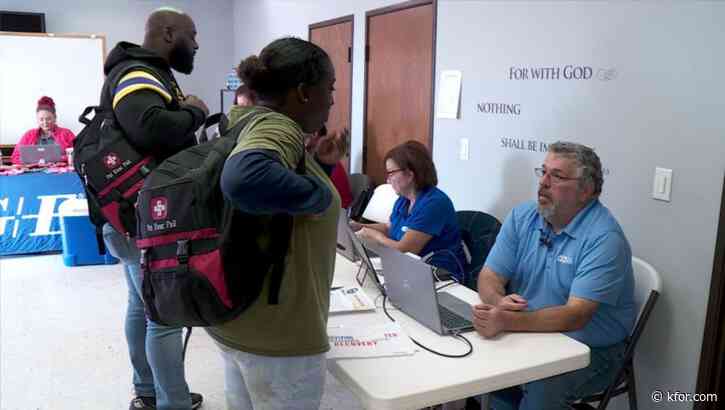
[(367, 267), (33, 154), (411, 288), (344, 241)]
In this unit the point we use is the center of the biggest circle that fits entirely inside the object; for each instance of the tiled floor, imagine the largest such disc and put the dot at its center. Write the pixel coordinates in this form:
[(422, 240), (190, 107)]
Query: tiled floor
[(62, 344)]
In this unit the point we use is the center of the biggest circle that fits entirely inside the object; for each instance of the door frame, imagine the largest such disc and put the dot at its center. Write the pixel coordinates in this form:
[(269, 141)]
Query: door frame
[(332, 22), (350, 55), (711, 375), (391, 9)]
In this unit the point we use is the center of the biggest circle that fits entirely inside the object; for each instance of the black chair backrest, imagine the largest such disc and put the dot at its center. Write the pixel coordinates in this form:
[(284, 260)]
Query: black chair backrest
[(479, 231), (362, 190), (358, 183)]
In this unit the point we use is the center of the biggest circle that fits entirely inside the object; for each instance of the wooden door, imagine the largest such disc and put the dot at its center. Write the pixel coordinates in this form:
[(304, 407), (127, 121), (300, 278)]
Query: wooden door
[(335, 37), (399, 81)]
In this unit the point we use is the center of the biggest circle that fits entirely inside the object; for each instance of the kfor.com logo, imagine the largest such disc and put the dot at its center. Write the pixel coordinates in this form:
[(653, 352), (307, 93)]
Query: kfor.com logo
[(666, 396)]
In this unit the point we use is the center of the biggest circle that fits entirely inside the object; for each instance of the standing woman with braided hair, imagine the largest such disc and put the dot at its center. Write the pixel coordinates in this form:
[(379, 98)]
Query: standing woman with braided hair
[(47, 132), (274, 354)]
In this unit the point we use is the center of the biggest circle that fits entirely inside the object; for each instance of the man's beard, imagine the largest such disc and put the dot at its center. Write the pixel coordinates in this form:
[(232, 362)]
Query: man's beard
[(181, 59), (547, 212)]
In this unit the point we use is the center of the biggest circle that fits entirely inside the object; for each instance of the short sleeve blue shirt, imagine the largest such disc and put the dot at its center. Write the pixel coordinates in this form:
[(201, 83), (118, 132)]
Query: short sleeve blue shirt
[(590, 259), (433, 214)]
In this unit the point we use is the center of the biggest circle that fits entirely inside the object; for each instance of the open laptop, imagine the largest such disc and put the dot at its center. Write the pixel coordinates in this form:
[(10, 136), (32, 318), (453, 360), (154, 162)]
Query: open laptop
[(411, 288), (367, 267), (33, 154)]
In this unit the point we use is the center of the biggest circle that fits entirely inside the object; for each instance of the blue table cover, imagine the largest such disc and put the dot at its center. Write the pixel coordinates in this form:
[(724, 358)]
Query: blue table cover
[(29, 220)]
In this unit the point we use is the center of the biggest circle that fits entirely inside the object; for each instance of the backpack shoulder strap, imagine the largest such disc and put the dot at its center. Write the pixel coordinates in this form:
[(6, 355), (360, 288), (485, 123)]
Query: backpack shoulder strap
[(281, 225), (234, 131), (218, 118), (144, 76), (301, 167)]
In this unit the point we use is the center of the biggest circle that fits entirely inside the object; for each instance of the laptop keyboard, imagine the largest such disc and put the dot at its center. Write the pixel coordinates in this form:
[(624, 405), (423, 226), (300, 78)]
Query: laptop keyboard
[(452, 320)]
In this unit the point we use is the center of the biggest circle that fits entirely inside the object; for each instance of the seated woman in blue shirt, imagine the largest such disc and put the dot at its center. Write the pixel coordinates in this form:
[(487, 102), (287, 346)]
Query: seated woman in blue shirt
[(423, 220)]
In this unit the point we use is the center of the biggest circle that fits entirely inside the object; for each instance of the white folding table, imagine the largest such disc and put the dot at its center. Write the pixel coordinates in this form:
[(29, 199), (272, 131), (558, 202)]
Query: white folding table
[(425, 379)]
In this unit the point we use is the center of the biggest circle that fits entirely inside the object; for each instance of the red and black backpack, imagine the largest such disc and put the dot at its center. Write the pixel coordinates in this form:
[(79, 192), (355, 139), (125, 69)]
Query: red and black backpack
[(203, 261), (112, 170)]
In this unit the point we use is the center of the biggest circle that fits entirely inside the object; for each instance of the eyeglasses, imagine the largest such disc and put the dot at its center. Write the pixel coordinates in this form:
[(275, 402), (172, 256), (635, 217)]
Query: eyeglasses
[(555, 178), (392, 172)]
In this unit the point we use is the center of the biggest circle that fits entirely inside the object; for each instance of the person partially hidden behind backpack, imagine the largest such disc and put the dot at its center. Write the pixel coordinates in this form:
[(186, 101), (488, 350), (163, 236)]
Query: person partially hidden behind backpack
[(159, 121), (274, 355), (244, 97)]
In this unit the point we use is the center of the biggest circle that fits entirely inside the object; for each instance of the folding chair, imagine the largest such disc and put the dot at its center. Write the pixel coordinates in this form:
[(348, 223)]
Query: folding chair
[(647, 288)]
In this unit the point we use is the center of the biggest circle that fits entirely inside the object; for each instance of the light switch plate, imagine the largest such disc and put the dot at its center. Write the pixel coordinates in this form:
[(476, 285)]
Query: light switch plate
[(463, 149), (662, 184)]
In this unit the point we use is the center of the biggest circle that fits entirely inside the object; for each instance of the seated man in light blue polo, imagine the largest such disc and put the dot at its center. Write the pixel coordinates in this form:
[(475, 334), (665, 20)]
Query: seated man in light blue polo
[(561, 264)]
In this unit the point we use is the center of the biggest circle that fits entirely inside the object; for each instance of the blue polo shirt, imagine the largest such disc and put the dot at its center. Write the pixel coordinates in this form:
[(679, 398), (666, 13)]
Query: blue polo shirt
[(590, 259), (433, 213)]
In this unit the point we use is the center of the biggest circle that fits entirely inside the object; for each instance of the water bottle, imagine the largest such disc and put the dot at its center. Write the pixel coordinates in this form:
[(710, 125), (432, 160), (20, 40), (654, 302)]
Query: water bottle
[(69, 156), (232, 80)]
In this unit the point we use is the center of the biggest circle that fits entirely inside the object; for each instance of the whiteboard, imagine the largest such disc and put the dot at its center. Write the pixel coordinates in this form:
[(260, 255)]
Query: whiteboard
[(67, 68)]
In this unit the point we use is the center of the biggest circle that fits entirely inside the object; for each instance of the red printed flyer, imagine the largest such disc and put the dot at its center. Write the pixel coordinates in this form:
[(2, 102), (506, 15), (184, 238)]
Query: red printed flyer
[(368, 341)]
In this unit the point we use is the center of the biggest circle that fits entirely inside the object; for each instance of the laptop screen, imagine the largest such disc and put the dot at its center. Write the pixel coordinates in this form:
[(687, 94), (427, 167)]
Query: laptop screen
[(365, 262), (33, 154), (411, 287), (344, 241)]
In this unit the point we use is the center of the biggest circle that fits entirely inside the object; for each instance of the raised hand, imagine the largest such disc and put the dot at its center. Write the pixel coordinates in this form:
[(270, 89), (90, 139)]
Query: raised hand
[(331, 148), (197, 102)]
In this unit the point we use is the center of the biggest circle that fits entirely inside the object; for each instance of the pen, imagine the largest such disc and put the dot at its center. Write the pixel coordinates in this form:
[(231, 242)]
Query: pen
[(336, 287)]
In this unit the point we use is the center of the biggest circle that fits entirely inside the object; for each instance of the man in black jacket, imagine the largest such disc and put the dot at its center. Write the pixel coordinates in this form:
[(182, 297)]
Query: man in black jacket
[(159, 121)]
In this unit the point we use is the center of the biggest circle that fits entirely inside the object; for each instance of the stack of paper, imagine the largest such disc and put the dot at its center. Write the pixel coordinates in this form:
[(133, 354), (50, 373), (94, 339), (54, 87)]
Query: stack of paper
[(350, 299), (368, 341)]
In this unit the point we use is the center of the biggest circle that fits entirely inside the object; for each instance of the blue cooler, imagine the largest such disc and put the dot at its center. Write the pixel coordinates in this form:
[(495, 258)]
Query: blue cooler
[(79, 236)]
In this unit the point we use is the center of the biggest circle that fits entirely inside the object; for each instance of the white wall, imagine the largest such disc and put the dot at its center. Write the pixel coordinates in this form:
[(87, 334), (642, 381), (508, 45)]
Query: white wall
[(73, 88), (662, 108), (661, 105), (124, 21)]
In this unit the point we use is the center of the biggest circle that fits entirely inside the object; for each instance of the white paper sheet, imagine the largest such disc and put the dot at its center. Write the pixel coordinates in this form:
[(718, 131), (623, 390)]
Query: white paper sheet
[(350, 299), (368, 341), (449, 94), (381, 204)]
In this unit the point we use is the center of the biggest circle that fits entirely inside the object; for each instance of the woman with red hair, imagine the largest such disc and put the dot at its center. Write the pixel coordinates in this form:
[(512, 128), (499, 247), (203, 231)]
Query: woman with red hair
[(47, 132)]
